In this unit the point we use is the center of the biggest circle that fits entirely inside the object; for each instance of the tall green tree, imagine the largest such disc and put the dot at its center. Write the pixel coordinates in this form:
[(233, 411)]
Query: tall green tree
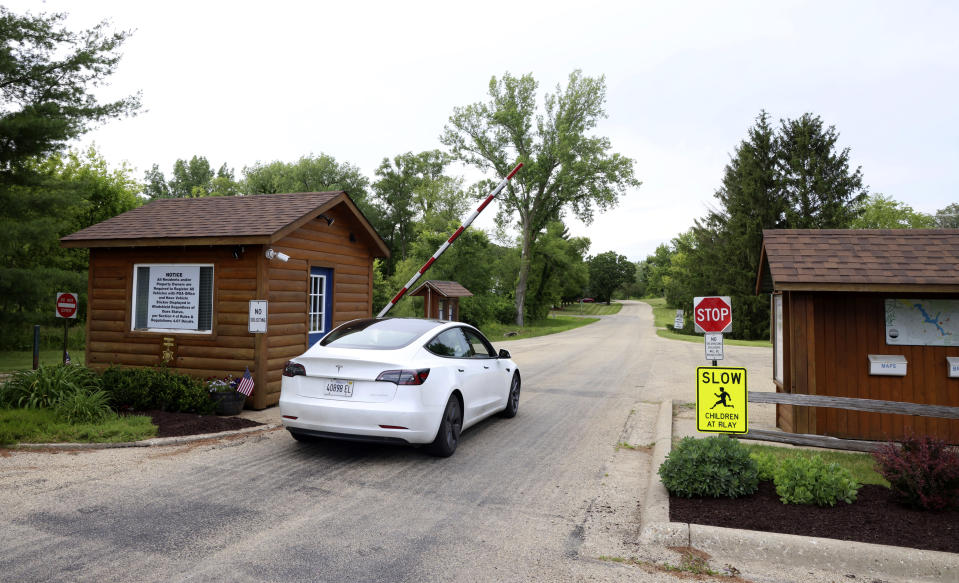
[(879, 211), (815, 180), (403, 193), (566, 167), (46, 74), (558, 272), (192, 178), (948, 217), (608, 271)]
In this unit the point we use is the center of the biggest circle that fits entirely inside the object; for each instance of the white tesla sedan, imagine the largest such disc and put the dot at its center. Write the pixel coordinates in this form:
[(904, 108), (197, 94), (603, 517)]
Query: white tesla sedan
[(398, 380)]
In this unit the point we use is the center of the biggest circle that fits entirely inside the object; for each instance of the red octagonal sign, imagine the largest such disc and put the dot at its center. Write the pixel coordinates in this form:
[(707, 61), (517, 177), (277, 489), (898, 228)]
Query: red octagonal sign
[(66, 305), (713, 314)]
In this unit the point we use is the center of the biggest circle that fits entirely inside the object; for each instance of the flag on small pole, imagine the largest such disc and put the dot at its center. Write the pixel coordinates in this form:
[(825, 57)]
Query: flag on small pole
[(246, 383)]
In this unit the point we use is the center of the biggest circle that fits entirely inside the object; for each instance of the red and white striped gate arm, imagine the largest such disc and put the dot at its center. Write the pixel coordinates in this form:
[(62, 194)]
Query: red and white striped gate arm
[(449, 241)]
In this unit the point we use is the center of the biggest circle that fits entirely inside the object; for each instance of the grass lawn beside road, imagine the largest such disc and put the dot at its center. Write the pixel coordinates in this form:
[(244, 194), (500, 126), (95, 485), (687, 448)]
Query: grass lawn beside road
[(497, 332), (663, 316), (43, 426), (11, 360)]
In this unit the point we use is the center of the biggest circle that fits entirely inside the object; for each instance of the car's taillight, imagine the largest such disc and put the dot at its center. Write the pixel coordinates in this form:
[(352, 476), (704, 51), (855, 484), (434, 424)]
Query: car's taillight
[(293, 369), (405, 377)]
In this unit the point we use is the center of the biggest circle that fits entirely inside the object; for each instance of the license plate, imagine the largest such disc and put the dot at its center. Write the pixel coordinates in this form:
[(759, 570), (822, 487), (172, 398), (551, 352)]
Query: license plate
[(338, 388)]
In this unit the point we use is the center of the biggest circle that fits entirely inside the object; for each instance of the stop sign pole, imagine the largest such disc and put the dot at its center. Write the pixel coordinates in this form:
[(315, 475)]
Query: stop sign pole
[(67, 309), (713, 315)]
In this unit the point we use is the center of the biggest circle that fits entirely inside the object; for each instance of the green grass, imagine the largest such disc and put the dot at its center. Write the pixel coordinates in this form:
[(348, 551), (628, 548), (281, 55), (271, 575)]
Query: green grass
[(663, 316), (11, 360), (43, 426), (590, 309), (861, 465), (552, 325)]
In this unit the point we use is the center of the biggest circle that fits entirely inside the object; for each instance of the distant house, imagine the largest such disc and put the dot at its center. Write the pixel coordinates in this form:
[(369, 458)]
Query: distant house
[(870, 314), (441, 299), (172, 282)]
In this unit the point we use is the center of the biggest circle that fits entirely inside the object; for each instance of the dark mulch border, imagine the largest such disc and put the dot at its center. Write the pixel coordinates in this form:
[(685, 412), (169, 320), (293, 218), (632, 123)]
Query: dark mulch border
[(872, 518), (180, 424)]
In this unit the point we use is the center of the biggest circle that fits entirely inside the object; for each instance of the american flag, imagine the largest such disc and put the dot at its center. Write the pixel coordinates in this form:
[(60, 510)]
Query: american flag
[(246, 383)]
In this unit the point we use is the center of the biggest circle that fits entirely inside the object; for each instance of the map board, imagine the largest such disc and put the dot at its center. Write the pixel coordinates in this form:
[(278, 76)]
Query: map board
[(922, 322)]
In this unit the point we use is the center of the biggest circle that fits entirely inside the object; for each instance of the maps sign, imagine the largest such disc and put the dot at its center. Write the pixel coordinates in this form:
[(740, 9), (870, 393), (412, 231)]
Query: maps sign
[(721, 399), (66, 305), (713, 314)]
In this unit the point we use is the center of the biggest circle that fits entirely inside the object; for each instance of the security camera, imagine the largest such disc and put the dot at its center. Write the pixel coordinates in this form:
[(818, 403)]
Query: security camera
[(271, 254)]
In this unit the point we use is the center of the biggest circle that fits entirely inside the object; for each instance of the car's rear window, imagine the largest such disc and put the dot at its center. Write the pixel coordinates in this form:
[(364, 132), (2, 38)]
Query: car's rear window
[(377, 334)]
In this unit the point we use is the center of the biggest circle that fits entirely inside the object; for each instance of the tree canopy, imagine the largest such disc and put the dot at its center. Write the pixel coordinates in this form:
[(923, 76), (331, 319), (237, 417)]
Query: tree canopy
[(566, 168), (46, 73), (608, 271)]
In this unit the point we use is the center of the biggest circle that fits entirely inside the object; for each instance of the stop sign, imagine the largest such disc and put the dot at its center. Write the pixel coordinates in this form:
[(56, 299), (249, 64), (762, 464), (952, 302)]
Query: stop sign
[(66, 305), (713, 314)]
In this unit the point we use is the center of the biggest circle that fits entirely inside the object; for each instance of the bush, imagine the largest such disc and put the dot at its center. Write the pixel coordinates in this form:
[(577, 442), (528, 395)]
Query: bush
[(714, 466), (923, 473), (143, 389), (810, 480), (84, 407), (766, 465), (44, 387)]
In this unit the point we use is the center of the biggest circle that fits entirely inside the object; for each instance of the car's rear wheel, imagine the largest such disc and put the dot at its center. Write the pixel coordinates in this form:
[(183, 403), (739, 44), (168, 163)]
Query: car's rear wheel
[(512, 401), (448, 436)]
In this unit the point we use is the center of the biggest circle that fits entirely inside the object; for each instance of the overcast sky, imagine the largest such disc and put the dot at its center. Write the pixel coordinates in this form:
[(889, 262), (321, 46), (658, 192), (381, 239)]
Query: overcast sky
[(241, 82)]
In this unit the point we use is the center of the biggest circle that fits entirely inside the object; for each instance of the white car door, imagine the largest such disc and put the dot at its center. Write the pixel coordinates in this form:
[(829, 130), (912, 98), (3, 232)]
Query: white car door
[(490, 373)]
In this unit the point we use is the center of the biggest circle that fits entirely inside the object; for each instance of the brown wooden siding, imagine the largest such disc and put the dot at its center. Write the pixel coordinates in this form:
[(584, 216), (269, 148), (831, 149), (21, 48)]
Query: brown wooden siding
[(838, 331), (230, 348)]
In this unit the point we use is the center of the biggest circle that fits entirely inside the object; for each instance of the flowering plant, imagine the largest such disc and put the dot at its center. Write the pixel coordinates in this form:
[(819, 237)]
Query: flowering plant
[(222, 385)]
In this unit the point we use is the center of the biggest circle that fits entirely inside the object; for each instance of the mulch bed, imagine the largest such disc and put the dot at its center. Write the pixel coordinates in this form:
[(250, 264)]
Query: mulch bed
[(180, 424), (872, 518)]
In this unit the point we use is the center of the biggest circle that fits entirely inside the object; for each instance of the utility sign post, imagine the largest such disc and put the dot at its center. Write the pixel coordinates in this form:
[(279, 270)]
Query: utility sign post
[(721, 400), (67, 304)]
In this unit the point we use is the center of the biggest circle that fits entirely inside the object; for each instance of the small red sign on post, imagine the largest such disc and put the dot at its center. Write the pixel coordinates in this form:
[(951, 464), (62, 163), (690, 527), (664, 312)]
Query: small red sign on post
[(713, 314), (66, 305)]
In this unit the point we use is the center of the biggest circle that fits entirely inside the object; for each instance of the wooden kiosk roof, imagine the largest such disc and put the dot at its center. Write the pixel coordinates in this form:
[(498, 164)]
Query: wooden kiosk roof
[(217, 220), (861, 260), (448, 289)]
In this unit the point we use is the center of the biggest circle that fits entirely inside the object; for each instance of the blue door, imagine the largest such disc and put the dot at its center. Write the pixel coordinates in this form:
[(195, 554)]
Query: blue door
[(321, 302)]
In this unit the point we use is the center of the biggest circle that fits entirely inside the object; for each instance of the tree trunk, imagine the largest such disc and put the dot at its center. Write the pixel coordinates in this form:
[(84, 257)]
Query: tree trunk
[(524, 263)]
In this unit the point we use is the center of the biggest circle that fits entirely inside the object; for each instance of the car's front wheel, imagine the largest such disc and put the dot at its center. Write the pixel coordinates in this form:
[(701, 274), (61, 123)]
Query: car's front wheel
[(448, 436)]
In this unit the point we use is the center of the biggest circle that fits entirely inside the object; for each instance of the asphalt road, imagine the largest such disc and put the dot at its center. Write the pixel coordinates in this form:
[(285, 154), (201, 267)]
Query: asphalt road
[(546, 496)]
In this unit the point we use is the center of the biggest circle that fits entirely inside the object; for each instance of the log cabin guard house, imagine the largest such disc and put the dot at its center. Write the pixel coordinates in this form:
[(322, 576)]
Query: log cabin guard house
[(869, 314), (173, 282)]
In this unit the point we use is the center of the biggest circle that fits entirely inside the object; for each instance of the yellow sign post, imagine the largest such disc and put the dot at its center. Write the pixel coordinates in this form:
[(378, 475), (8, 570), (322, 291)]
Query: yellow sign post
[(721, 400)]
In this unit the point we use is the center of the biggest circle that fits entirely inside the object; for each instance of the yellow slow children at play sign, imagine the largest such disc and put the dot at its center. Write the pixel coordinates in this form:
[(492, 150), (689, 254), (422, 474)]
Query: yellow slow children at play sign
[(721, 400)]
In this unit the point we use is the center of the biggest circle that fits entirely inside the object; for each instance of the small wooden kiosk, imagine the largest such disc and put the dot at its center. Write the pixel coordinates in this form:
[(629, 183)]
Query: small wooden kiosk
[(211, 286), (871, 314), (441, 299)]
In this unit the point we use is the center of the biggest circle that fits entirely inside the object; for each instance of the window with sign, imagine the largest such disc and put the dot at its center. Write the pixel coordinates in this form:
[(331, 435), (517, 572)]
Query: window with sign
[(173, 297)]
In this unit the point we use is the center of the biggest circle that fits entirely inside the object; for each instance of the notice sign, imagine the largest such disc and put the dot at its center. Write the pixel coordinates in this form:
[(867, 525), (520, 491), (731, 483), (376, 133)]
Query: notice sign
[(258, 316), (721, 400), (174, 297)]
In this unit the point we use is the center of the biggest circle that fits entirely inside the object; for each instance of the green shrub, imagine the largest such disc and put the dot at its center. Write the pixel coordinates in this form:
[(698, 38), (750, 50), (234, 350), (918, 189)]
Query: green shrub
[(84, 407), (44, 387), (714, 466), (143, 389), (810, 480), (766, 465), (923, 473)]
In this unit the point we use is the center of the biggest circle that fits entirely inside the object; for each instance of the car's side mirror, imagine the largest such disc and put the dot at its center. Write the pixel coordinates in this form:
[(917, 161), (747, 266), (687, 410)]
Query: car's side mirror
[(503, 353)]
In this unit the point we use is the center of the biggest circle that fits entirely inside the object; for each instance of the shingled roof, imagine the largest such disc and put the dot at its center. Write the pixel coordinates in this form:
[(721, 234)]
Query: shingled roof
[(215, 220), (448, 289), (863, 260)]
